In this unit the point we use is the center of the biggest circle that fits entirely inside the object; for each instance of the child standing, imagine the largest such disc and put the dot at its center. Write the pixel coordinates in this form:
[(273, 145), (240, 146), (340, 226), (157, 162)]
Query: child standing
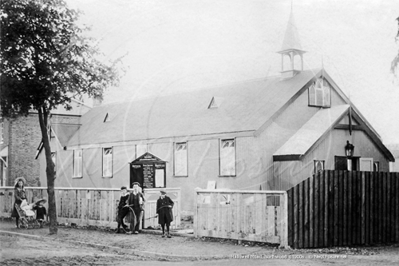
[(41, 212), (164, 211), (123, 210)]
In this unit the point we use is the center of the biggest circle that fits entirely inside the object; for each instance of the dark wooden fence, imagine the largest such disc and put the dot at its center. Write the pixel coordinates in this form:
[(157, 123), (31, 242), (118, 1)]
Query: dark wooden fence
[(344, 208)]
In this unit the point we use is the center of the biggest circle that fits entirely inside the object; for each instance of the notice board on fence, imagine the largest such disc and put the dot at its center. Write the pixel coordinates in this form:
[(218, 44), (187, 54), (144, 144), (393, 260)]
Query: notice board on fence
[(149, 171)]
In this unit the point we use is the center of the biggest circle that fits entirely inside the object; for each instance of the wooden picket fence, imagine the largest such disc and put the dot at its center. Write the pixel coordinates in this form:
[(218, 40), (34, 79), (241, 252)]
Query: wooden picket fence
[(242, 215), (344, 208), (91, 206)]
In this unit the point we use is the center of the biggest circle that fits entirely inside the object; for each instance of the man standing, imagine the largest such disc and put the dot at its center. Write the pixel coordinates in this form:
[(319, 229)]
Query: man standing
[(164, 211), (136, 201), (123, 210)]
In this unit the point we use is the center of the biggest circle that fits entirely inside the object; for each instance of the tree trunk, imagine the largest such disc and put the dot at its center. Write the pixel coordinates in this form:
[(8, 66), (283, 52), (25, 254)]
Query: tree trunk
[(52, 211)]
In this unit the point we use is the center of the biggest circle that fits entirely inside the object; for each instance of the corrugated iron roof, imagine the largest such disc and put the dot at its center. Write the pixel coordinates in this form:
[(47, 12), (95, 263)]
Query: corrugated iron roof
[(245, 107)]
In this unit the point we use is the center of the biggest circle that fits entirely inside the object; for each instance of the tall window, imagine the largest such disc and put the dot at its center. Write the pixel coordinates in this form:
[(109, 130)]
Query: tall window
[(181, 159), (320, 93), (318, 166), (376, 166), (77, 163), (107, 162), (227, 157)]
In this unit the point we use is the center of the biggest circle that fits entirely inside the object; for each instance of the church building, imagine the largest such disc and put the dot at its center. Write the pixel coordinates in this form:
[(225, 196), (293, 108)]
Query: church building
[(261, 134)]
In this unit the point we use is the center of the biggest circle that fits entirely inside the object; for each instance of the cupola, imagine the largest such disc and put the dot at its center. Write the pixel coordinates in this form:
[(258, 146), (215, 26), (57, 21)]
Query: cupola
[(292, 49)]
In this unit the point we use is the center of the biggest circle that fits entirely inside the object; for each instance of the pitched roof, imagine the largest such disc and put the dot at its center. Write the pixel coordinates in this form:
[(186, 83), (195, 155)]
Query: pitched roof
[(317, 127), (301, 142), (63, 132), (246, 106)]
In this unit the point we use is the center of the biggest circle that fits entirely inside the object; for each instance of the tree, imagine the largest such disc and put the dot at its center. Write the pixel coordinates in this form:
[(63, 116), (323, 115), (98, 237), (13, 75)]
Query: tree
[(46, 61)]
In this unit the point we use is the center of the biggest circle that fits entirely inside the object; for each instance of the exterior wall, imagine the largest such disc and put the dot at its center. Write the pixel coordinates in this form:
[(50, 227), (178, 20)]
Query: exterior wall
[(6, 129), (3, 144), (23, 139), (255, 169), (394, 166), (290, 173), (203, 166), (23, 136), (282, 128)]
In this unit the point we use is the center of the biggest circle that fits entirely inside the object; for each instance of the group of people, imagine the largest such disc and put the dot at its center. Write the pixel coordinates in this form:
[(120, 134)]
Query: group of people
[(20, 203), (132, 203)]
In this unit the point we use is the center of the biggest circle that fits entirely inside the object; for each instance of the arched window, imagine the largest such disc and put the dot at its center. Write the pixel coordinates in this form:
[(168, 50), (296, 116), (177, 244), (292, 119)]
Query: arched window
[(318, 166)]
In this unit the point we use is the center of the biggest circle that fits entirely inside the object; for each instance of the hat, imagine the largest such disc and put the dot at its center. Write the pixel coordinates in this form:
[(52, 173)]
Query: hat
[(122, 188), (19, 179), (40, 200), (162, 192), (136, 183)]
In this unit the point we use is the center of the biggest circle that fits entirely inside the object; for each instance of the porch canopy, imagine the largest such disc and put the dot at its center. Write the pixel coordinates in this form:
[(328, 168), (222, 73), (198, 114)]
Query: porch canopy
[(312, 131)]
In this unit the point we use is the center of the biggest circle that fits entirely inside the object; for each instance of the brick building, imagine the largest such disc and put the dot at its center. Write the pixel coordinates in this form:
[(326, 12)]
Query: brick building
[(20, 139), (18, 148)]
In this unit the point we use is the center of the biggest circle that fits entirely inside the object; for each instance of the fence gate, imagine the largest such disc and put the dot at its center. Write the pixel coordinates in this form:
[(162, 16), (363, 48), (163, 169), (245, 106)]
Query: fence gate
[(242, 215)]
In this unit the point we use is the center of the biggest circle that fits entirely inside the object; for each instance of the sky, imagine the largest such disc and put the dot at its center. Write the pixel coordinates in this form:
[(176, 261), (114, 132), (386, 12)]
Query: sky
[(171, 46)]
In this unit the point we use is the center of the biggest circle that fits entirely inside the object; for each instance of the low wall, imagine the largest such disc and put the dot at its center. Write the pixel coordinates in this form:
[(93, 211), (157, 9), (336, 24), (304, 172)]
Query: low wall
[(91, 206), (243, 215)]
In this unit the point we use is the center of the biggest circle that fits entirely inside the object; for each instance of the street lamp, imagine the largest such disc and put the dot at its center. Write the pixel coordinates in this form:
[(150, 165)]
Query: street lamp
[(349, 149)]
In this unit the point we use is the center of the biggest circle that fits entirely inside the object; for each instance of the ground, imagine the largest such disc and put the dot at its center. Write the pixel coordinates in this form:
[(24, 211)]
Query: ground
[(87, 246)]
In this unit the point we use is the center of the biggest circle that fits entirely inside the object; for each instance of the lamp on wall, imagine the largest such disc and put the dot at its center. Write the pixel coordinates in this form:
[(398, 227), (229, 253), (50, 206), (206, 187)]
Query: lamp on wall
[(349, 149)]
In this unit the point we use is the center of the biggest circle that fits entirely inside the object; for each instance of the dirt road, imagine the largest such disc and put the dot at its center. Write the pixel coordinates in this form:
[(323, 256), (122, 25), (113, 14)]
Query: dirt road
[(73, 246)]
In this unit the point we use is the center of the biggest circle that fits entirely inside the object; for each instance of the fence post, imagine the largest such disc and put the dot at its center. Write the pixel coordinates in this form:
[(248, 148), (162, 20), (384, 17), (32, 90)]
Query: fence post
[(284, 221), (196, 214)]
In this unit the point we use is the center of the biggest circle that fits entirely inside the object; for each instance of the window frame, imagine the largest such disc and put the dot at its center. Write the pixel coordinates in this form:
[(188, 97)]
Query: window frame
[(109, 162), (376, 166), (76, 174), (316, 89), (315, 162), (175, 172), (234, 157)]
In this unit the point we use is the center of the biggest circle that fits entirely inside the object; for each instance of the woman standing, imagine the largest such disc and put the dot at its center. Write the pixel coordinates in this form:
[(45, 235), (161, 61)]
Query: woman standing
[(19, 195), (164, 211)]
